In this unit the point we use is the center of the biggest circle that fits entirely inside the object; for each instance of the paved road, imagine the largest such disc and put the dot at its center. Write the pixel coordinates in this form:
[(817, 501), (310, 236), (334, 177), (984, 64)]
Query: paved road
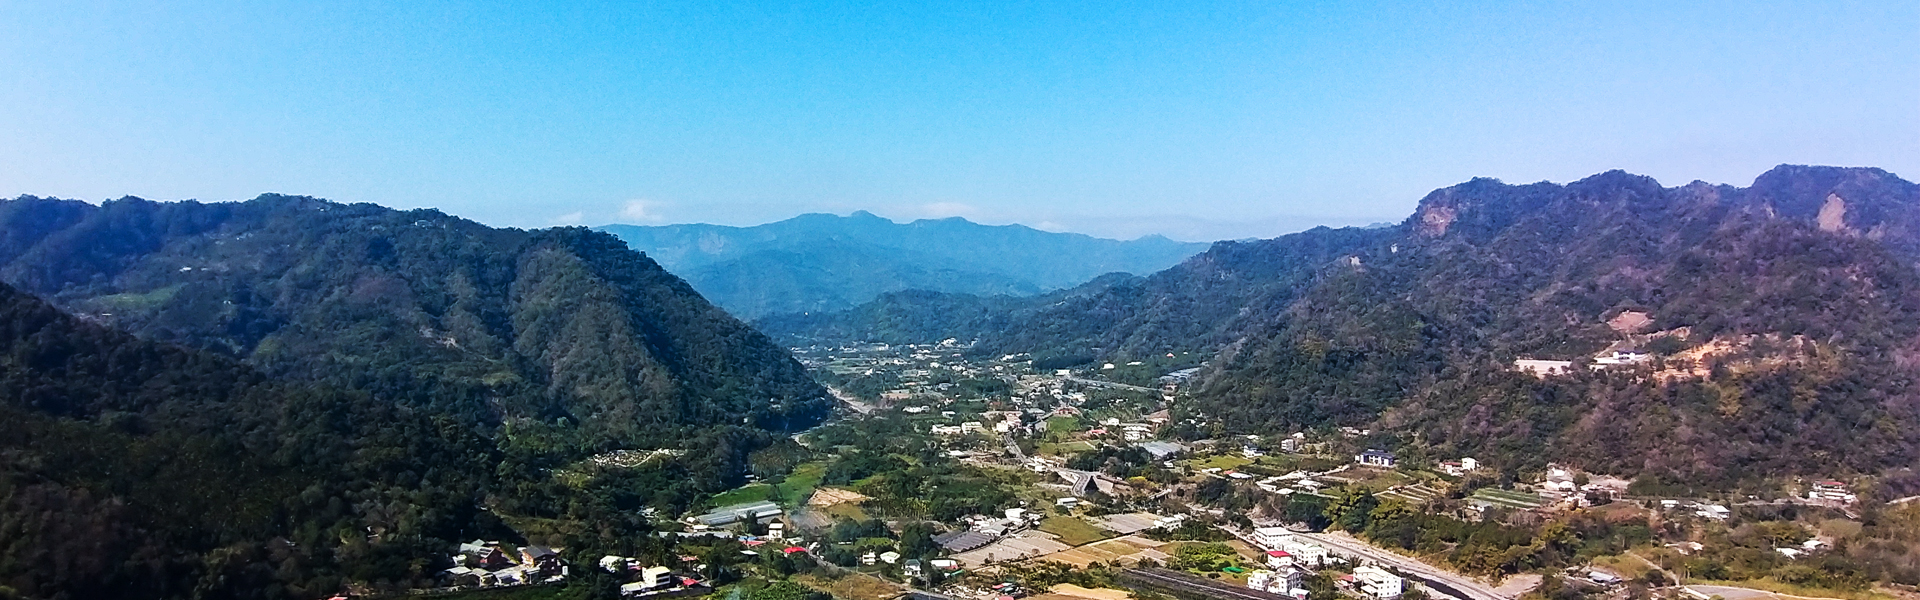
[(1109, 384), (1731, 593), (1344, 544), (1740, 593), (1013, 447), (1166, 579), (855, 403)]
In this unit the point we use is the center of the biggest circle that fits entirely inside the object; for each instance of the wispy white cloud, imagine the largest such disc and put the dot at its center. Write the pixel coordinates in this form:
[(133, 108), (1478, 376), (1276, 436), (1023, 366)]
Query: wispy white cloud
[(643, 211), (572, 218)]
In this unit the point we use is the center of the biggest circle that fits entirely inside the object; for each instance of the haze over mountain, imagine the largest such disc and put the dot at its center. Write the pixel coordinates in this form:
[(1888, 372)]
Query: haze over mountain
[(821, 262), (1784, 315)]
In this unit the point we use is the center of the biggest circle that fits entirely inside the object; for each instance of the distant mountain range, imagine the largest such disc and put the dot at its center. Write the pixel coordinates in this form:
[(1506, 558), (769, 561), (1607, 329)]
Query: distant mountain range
[(820, 262), (1784, 319)]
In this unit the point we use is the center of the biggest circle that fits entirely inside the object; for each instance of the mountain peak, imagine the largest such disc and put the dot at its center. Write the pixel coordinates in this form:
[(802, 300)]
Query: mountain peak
[(821, 262)]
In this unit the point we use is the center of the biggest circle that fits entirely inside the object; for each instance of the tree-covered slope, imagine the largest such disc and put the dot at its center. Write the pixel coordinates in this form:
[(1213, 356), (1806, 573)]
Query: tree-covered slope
[(130, 469), (563, 325), (1201, 304), (1785, 313), (820, 262)]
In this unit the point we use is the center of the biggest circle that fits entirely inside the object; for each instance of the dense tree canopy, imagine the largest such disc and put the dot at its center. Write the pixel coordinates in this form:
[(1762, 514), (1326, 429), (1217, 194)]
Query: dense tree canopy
[(1783, 316)]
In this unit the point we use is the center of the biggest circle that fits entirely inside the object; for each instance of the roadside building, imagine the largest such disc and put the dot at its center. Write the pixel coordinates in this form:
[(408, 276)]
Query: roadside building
[(1279, 559), (1831, 490), (1376, 583), (1460, 467), (1162, 450), (1713, 511), (1273, 538), (1306, 553), (751, 511), (1279, 581), (1375, 457)]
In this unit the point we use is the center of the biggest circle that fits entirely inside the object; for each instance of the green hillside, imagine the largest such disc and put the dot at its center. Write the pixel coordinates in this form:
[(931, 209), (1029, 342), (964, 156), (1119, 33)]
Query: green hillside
[(1780, 316)]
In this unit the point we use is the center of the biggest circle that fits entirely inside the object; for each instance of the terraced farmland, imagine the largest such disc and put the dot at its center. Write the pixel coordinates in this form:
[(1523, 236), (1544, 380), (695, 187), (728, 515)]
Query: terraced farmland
[(1507, 498), (1419, 494)]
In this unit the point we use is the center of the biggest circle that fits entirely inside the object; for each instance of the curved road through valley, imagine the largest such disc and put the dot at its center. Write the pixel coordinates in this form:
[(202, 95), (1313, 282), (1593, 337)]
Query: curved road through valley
[(1469, 588)]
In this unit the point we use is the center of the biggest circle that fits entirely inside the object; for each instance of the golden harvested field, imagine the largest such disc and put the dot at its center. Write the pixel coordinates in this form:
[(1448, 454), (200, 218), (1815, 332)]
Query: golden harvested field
[(1073, 531), (858, 586), (832, 496), (1125, 550), (1073, 591)]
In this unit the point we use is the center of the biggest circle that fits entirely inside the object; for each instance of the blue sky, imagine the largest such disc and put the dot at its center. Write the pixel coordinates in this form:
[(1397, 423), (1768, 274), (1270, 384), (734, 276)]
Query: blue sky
[(1198, 120)]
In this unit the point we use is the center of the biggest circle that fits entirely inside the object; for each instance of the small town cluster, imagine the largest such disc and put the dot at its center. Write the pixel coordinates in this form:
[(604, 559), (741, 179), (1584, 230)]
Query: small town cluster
[(1094, 469)]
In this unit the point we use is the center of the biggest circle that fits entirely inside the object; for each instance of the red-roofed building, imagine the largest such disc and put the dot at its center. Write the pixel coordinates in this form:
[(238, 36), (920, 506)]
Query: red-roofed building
[(795, 550), (1279, 559)]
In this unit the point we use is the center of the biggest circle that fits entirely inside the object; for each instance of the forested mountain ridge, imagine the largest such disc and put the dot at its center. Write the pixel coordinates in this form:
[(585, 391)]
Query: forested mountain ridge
[(1784, 314), (430, 310), (1201, 304), (820, 262), (113, 449)]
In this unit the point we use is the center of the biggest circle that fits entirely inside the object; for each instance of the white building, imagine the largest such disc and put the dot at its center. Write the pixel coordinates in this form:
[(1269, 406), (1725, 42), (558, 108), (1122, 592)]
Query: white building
[(656, 578), (615, 564), (1460, 467), (1375, 457), (1831, 490), (1621, 357), (1273, 538), (1377, 583), (1307, 553), (1279, 581), (1713, 511)]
